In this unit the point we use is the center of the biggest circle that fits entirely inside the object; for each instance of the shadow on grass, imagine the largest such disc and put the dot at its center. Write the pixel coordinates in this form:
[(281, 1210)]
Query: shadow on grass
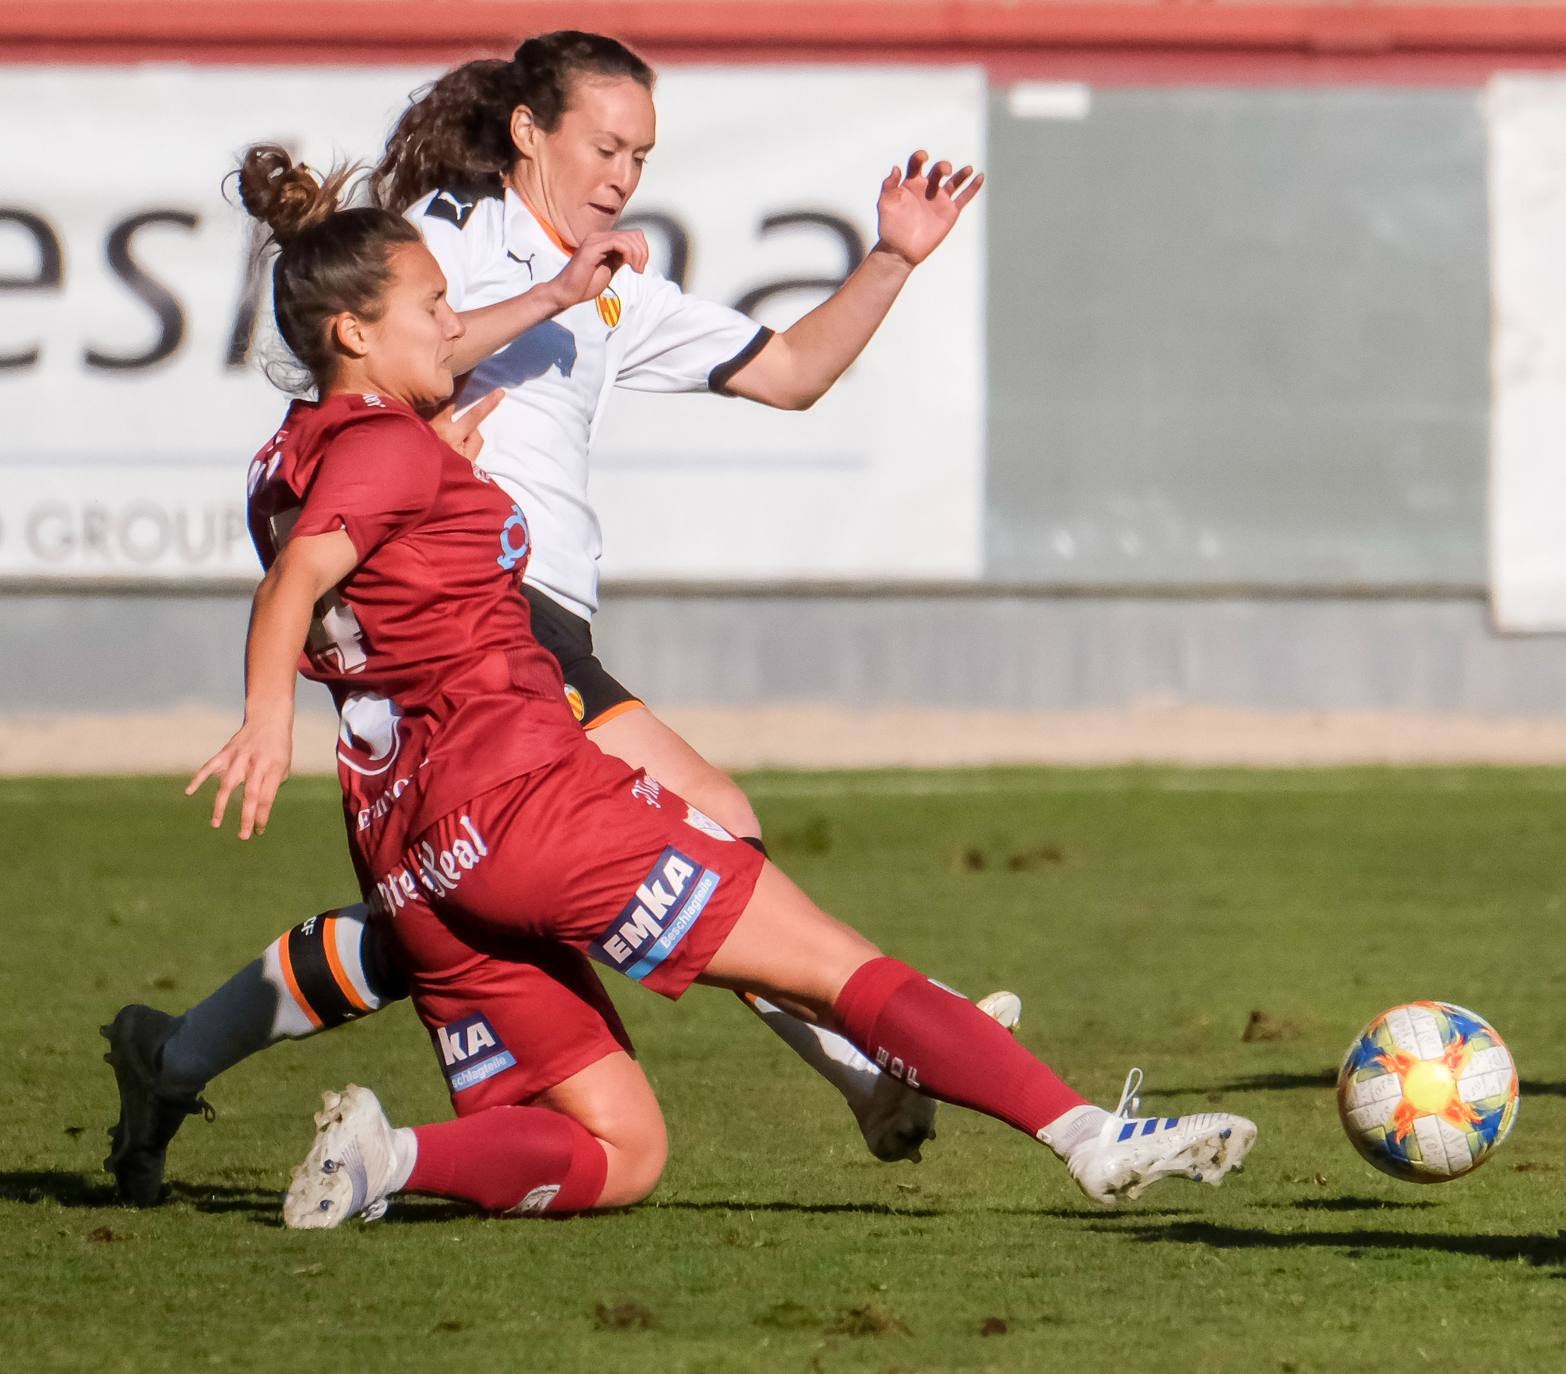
[(864, 1209), (68, 1188), (73, 1189), (1255, 1083), (409, 1210), (1543, 1250), (1322, 1079), (1352, 1204), (1086, 1211), (260, 1204)]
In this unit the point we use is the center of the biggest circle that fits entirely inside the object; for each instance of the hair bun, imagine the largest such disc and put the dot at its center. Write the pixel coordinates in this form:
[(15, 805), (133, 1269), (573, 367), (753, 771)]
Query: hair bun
[(533, 53), (284, 195)]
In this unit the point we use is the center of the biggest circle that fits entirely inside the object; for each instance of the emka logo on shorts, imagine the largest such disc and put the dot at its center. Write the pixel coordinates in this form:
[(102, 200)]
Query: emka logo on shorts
[(470, 1051), (658, 917)]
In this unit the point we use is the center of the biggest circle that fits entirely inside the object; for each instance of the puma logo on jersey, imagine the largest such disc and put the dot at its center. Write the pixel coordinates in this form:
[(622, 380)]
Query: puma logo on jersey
[(448, 207), (471, 1051), (526, 262)]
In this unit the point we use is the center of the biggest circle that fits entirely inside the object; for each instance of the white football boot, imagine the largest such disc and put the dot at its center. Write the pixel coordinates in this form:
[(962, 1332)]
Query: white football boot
[(896, 1120), (350, 1168), (1004, 1008), (1130, 1153)]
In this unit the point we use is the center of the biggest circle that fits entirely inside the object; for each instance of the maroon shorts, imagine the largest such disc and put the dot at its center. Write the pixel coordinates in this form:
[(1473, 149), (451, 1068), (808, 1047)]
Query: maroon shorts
[(494, 907), (508, 1019)]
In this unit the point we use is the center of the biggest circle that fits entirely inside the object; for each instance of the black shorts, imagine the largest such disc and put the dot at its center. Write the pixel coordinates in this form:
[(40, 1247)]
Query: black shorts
[(591, 693)]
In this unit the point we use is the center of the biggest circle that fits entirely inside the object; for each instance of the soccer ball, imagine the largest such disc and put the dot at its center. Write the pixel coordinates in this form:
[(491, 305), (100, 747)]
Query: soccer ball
[(1427, 1091)]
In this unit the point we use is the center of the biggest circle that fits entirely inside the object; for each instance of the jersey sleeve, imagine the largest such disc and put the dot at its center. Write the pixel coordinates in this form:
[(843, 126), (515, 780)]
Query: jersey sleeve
[(377, 479), (683, 343)]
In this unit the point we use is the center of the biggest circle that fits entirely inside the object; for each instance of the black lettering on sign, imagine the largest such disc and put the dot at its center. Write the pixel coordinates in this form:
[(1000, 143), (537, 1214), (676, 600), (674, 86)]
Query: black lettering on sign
[(848, 237), (151, 292), (46, 276), (676, 241)]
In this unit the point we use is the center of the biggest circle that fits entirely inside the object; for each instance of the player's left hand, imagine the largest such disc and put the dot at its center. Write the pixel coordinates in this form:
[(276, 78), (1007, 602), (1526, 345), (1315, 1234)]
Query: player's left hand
[(918, 206), (461, 432), (258, 756)]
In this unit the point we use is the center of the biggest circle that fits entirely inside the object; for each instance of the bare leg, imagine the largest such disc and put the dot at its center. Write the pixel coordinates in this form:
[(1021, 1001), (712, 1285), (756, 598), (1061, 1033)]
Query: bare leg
[(930, 1038), (615, 1102), (894, 1123), (917, 1030), (785, 946), (640, 739)]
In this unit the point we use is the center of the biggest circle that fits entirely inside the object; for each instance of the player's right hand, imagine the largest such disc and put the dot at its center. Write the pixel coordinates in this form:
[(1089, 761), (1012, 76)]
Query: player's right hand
[(257, 757), (461, 432), (599, 257)]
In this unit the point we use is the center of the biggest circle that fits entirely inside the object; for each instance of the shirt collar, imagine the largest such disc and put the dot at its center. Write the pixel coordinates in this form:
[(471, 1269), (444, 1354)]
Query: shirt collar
[(525, 231)]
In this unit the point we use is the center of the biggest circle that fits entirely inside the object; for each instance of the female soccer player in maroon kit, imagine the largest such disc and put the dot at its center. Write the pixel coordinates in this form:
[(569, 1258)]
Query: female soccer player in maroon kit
[(502, 849), (514, 172)]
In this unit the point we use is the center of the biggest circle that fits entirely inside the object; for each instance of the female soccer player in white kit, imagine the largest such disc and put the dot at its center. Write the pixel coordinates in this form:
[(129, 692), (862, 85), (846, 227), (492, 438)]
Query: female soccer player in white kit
[(516, 173), (516, 844)]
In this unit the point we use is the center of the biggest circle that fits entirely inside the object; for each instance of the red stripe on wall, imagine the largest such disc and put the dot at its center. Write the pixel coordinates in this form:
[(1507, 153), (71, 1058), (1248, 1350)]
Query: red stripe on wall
[(1130, 42)]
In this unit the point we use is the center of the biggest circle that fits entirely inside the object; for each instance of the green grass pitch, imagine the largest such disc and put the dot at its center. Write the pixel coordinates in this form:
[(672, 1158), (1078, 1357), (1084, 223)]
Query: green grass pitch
[(1144, 915)]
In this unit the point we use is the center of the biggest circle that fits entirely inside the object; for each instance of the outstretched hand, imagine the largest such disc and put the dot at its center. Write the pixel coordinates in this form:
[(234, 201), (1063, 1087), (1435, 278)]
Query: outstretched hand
[(461, 432), (257, 757), (918, 207), (595, 262)]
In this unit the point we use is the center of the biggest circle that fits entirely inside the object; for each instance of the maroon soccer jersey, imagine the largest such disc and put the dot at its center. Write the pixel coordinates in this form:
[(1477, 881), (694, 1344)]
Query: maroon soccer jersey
[(426, 646)]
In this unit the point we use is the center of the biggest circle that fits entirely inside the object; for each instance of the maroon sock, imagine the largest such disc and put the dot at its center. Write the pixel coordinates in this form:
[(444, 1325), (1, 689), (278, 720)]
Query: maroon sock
[(511, 1157), (942, 1044)]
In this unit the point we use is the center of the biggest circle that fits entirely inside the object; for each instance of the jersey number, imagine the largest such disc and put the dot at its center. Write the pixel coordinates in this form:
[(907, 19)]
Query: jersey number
[(336, 638)]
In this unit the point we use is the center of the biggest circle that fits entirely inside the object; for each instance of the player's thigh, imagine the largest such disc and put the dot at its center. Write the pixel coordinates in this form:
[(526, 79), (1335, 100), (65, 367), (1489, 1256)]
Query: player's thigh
[(784, 946), (587, 853), (508, 1019), (640, 739)]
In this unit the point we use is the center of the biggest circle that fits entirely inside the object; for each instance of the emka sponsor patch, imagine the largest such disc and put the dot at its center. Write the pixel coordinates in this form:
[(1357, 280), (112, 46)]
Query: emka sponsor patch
[(660, 915), (471, 1051)]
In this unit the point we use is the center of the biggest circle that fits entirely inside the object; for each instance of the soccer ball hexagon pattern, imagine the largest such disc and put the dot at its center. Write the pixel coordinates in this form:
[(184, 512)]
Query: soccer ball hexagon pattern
[(1427, 1091)]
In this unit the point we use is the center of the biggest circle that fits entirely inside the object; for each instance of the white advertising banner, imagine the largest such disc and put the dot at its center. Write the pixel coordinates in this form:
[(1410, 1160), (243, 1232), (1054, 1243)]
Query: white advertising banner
[(1527, 131), (130, 348)]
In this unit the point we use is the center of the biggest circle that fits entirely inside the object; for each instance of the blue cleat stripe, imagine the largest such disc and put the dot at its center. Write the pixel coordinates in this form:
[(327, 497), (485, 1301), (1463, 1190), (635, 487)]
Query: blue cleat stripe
[(1150, 1125), (1126, 1131)]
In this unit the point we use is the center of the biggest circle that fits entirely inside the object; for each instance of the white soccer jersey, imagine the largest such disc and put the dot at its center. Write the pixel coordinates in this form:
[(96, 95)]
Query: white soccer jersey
[(643, 333)]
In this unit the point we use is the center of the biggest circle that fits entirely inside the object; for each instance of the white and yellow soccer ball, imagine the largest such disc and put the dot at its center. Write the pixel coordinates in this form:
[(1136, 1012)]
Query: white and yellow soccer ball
[(1427, 1091)]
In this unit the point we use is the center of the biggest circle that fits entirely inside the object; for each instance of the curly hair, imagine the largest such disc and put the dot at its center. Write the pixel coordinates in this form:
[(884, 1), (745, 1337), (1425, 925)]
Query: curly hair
[(457, 131)]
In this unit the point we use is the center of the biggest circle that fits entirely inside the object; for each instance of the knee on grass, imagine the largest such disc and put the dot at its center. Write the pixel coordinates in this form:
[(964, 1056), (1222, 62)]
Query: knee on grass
[(636, 1163)]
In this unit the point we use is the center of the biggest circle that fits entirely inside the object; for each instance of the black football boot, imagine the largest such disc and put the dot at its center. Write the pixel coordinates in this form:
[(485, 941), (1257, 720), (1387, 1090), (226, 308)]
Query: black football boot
[(150, 1111)]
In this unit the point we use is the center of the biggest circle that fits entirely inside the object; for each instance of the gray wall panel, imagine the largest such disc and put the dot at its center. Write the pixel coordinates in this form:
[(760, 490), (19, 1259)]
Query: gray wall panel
[(86, 652), (1240, 335), (1005, 652)]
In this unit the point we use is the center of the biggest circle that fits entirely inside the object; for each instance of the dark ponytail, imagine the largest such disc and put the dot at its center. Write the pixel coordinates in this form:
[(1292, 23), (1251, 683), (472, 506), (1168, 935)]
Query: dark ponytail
[(456, 135), (457, 132), (329, 259)]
